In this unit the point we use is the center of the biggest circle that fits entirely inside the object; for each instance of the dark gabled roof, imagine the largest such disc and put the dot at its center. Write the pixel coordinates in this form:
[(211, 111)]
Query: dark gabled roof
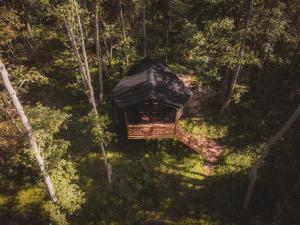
[(150, 79)]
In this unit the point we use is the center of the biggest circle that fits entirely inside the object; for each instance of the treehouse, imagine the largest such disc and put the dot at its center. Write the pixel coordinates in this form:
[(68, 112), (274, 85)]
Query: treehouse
[(148, 101)]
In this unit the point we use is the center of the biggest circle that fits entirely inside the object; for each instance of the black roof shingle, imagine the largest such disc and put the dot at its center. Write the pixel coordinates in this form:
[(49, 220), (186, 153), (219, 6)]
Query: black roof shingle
[(150, 79)]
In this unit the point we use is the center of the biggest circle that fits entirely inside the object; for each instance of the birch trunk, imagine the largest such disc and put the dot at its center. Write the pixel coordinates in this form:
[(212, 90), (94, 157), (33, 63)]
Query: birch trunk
[(98, 52), (73, 42), (84, 70), (92, 99), (249, 4), (265, 153), (33, 143)]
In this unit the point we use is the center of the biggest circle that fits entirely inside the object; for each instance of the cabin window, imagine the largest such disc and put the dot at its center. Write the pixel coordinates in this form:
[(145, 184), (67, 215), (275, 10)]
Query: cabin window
[(151, 112)]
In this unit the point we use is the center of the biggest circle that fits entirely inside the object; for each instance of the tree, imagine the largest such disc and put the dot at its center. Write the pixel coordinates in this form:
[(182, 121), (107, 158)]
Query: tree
[(70, 14), (241, 52), (32, 140), (144, 30), (98, 51), (258, 163), (121, 17), (84, 68)]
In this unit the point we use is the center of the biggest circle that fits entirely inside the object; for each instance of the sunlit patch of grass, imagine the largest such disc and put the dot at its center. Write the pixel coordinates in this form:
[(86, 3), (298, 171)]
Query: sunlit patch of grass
[(235, 162), (204, 129)]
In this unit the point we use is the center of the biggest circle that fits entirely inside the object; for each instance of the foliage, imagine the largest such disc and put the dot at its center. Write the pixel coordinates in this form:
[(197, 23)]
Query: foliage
[(161, 181), (46, 124), (9, 25), (98, 127), (23, 77)]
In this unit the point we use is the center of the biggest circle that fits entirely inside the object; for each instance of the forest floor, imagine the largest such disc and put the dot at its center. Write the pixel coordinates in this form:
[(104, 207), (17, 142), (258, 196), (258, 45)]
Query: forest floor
[(155, 182)]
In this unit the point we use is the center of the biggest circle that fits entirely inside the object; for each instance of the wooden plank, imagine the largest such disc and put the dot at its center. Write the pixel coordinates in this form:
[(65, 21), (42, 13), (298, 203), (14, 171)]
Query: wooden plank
[(145, 131), (209, 148)]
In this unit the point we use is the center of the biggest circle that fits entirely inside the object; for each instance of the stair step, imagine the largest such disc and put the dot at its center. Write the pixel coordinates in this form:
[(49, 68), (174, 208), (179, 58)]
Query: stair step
[(209, 148)]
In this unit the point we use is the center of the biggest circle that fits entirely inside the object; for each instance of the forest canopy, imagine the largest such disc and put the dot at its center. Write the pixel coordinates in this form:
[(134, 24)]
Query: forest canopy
[(62, 158)]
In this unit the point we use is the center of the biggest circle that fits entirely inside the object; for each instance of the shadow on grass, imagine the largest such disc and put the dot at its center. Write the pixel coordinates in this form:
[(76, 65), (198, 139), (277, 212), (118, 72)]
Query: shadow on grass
[(155, 187)]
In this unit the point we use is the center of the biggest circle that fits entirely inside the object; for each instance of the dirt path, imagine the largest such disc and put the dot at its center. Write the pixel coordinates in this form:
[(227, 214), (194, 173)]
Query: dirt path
[(196, 107)]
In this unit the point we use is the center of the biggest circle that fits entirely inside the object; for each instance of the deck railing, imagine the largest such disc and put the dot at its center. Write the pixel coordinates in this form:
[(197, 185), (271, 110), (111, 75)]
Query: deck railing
[(145, 131), (205, 146)]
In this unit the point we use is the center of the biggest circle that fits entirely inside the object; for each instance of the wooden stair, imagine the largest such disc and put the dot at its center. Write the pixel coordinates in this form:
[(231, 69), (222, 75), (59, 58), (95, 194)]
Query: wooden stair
[(209, 148)]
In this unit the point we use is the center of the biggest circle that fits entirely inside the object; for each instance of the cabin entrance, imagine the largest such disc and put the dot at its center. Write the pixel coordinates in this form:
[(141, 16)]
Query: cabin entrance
[(150, 120), (150, 112)]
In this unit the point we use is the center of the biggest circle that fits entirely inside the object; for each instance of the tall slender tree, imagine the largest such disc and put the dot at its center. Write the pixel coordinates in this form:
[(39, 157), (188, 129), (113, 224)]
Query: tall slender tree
[(122, 22), (249, 4), (98, 51), (84, 70), (258, 163), (83, 49), (32, 140)]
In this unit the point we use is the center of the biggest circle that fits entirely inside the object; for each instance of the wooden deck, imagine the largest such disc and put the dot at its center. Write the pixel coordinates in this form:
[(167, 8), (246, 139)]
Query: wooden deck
[(148, 131), (209, 148)]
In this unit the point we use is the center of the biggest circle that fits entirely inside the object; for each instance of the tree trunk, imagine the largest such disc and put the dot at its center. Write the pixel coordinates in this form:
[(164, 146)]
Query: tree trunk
[(84, 70), (123, 29), (105, 44), (249, 4), (89, 81), (73, 42), (110, 49), (232, 85), (98, 51), (168, 37), (267, 148), (225, 85), (28, 128), (104, 67), (144, 31), (106, 163)]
